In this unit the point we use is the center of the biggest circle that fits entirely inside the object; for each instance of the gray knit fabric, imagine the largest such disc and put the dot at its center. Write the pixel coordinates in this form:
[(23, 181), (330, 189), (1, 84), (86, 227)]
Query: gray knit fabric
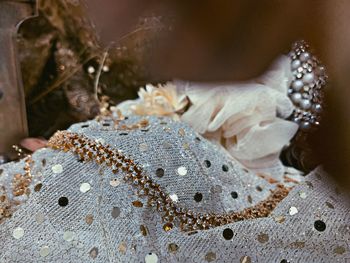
[(102, 225)]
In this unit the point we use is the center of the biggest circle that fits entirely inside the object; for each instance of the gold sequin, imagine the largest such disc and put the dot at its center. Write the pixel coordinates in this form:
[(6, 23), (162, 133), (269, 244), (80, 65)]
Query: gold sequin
[(182, 132), (245, 259), (93, 252), (210, 257), (137, 203), (122, 247), (339, 250), (38, 187), (263, 238), (173, 248), (280, 219), (168, 226), (89, 219), (144, 230)]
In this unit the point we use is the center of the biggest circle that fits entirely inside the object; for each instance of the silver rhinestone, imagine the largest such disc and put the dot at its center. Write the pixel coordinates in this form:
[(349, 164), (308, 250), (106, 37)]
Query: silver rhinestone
[(305, 56), (305, 125), (317, 108)]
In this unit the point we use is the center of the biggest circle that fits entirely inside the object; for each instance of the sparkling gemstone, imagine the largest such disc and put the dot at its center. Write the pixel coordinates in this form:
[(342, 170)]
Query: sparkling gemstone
[(305, 56)]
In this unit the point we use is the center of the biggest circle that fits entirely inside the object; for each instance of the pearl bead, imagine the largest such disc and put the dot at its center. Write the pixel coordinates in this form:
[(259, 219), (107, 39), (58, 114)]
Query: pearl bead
[(296, 97), (305, 104), (296, 120), (317, 108), (297, 85), (305, 125), (305, 56), (290, 91), (296, 64), (309, 78)]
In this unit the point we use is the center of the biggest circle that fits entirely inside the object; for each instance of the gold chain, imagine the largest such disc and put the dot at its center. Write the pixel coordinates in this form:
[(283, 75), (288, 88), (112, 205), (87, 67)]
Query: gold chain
[(171, 213)]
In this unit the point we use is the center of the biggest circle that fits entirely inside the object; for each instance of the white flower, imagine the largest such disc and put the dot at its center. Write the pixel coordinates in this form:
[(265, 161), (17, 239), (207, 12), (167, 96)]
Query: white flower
[(159, 101)]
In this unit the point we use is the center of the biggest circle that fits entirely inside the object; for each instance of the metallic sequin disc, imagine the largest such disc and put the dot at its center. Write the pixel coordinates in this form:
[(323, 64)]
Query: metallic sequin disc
[(173, 247), (39, 218), (57, 169), (143, 147), (68, 236), (115, 212), (210, 257), (89, 219), (114, 182), (85, 187), (44, 251), (151, 258), (182, 170), (293, 210), (93, 252), (18, 232)]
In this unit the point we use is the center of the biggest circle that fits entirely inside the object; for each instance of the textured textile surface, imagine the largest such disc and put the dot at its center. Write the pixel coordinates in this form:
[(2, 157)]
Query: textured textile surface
[(99, 223)]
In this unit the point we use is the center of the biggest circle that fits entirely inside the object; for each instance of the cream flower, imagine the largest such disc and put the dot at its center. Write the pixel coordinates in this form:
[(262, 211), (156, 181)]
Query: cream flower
[(161, 100)]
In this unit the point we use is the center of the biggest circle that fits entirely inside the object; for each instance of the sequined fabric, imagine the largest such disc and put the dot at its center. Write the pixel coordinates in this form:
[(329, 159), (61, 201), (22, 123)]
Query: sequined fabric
[(80, 211)]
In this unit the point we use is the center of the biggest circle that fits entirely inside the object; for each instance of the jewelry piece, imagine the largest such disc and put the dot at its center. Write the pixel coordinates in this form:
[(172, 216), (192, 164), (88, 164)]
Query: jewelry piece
[(306, 89), (171, 213)]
